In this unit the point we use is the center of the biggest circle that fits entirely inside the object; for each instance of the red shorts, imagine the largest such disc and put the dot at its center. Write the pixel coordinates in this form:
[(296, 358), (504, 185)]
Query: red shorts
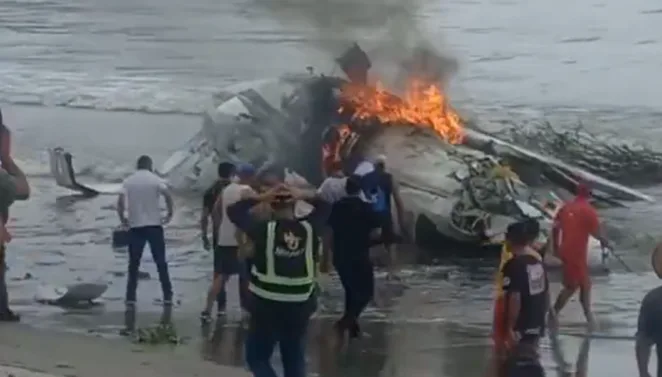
[(499, 331), (575, 275)]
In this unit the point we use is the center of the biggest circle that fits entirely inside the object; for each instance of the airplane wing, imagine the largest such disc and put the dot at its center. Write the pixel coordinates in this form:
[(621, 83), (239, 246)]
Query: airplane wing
[(61, 163), (569, 174)]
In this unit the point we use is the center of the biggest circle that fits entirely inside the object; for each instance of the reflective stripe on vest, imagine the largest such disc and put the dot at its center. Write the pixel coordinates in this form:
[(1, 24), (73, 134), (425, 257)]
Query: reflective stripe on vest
[(270, 277)]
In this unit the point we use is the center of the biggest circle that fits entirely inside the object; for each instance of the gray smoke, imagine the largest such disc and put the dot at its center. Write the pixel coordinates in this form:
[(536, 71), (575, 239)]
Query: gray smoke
[(388, 30)]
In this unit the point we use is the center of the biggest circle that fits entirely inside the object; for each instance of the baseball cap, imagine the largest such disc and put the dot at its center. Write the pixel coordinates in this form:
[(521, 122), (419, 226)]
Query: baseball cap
[(245, 170), (380, 159)]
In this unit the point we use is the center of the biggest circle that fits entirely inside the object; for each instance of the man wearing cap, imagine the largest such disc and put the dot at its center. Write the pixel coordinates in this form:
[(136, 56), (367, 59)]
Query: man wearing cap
[(226, 249), (385, 190), (574, 223), (13, 186), (283, 278)]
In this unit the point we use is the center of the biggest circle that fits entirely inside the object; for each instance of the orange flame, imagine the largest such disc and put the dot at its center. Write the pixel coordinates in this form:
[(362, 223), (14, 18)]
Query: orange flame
[(423, 106), (331, 151)]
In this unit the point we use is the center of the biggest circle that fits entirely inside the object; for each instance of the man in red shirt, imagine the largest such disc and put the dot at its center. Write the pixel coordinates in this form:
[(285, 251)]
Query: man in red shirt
[(575, 222)]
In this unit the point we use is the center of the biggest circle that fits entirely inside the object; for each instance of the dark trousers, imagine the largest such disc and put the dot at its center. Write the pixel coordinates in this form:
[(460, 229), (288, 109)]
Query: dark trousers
[(358, 281), (138, 237), (4, 295), (287, 328)]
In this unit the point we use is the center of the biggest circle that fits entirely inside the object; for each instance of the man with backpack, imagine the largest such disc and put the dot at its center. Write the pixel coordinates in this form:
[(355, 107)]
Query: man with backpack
[(383, 190)]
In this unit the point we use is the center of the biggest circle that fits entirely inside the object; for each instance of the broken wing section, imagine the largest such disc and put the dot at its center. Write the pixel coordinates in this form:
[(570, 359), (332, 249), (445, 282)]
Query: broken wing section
[(61, 166)]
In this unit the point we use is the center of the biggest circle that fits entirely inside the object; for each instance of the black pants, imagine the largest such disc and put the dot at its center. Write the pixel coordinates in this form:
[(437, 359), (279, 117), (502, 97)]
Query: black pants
[(138, 237), (358, 280), (284, 325)]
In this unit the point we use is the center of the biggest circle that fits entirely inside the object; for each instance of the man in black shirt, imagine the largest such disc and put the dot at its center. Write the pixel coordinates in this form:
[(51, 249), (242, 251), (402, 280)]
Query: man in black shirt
[(283, 277), (352, 222), (225, 172), (649, 325), (527, 302)]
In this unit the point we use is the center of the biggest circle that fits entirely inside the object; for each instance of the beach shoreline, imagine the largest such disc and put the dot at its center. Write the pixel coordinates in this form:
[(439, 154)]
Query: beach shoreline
[(28, 351)]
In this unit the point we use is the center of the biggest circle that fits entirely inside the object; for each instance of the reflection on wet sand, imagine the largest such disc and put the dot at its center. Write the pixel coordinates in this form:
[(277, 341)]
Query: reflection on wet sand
[(564, 368), (386, 350), (224, 344)]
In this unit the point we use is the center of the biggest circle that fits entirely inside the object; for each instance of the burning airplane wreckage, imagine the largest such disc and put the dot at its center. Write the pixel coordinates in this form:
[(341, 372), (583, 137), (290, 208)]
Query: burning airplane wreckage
[(453, 181)]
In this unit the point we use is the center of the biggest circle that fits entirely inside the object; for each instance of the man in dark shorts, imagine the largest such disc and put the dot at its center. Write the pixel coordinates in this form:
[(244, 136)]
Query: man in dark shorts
[(226, 249), (225, 172), (387, 190), (526, 304)]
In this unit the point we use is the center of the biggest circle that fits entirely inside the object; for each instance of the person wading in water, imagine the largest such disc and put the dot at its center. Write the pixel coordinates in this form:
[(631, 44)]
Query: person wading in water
[(575, 222)]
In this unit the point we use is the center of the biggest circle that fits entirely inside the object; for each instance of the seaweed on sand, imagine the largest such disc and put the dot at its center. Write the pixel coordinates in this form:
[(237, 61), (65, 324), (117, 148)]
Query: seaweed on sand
[(162, 333)]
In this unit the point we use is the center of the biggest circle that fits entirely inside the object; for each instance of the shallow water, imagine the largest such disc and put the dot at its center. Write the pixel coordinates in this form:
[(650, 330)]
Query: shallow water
[(519, 64)]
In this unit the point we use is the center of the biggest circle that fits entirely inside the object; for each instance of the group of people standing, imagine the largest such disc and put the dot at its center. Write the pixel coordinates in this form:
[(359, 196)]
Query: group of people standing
[(279, 252), (278, 238)]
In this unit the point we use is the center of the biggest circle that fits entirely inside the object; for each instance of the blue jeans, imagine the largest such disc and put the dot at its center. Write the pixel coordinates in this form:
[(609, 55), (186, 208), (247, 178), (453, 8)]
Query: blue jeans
[(138, 237), (288, 331)]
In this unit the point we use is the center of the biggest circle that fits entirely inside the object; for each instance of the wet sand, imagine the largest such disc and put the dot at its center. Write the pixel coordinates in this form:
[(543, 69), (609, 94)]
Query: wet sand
[(435, 323), (389, 349), (66, 354)]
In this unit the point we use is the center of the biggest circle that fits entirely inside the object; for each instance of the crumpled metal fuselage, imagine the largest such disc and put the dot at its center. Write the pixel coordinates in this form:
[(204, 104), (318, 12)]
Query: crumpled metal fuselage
[(283, 122)]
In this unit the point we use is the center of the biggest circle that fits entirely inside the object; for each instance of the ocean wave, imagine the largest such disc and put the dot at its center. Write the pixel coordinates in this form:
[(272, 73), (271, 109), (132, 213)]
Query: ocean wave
[(145, 94)]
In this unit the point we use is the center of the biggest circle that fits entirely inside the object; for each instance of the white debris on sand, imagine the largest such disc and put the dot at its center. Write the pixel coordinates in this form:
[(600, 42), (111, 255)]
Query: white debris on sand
[(29, 352)]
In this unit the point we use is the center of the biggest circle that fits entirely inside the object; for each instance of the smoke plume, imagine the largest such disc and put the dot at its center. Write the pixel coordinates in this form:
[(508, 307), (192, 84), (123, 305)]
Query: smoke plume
[(388, 30)]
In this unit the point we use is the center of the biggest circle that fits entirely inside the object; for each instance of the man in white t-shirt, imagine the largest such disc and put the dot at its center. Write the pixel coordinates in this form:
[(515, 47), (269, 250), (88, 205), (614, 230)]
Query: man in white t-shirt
[(226, 250), (141, 193), (332, 188)]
